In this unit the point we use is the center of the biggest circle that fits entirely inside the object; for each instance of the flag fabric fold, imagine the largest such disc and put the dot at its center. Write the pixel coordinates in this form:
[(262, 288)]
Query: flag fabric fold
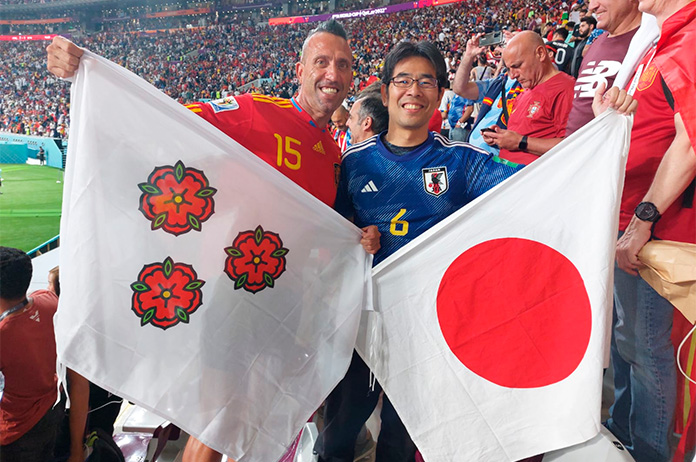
[(198, 281), (495, 321)]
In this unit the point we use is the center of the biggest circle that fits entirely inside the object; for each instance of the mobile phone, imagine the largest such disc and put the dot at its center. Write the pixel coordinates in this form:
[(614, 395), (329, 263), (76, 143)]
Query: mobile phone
[(491, 38), (488, 130)]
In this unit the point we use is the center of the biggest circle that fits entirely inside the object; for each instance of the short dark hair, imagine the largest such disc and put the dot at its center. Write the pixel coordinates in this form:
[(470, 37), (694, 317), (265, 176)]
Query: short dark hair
[(423, 49), (15, 273), (371, 106), (331, 26), (562, 32), (590, 20), (570, 24)]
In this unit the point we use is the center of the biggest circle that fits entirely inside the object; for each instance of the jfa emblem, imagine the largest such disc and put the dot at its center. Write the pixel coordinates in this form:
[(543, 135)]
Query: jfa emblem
[(533, 109), (435, 180)]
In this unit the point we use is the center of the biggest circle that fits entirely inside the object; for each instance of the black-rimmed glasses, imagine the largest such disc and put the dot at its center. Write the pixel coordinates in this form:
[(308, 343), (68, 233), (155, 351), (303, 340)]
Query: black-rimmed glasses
[(425, 83)]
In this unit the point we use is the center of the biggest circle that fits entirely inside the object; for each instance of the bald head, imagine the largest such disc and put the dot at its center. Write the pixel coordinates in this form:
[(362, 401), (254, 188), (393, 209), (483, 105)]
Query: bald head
[(526, 41), (340, 117), (527, 59)]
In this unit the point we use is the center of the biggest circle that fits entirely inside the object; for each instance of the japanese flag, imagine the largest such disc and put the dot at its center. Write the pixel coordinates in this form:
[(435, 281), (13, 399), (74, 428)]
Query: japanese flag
[(198, 281), (494, 323)]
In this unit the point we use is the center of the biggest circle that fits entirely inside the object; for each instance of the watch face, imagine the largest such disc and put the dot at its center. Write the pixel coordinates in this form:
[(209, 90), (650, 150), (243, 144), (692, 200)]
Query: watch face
[(647, 211)]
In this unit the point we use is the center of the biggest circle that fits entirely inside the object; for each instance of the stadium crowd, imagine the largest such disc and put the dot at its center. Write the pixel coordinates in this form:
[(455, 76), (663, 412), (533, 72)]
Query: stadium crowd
[(206, 62)]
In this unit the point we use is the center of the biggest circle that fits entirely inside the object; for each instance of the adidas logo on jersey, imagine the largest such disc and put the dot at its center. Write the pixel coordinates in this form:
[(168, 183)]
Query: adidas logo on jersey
[(369, 187), (319, 148)]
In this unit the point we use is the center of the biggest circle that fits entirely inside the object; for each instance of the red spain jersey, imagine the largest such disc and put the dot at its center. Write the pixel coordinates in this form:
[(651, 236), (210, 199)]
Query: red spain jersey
[(280, 132)]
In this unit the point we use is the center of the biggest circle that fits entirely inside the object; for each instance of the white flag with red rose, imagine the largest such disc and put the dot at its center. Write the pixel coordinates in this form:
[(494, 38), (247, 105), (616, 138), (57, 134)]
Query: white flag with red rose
[(199, 282), (494, 322)]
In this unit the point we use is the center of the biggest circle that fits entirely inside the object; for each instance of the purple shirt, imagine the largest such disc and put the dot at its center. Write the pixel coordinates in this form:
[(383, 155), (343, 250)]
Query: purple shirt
[(601, 64)]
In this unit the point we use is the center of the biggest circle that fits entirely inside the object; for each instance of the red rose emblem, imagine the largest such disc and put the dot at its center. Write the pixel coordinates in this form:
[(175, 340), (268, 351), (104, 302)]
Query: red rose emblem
[(177, 199), (255, 260), (166, 293)]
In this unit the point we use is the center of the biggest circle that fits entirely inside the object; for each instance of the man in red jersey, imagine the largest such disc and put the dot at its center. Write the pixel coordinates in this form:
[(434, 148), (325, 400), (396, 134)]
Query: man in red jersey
[(539, 115), (289, 134), (30, 420), (657, 201)]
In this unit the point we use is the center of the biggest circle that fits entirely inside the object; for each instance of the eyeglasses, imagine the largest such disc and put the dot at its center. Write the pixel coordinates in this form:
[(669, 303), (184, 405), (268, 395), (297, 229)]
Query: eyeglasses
[(425, 83)]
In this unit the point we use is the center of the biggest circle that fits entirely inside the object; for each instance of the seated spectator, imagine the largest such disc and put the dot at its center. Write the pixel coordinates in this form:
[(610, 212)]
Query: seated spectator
[(29, 418), (539, 116)]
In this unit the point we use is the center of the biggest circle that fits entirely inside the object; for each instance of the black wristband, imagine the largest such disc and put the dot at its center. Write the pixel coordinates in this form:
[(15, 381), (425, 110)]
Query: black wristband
[(523, 144)]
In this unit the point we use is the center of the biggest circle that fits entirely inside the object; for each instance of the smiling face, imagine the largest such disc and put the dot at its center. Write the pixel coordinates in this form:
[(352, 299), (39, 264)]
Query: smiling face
[(612, 15), (410, 109), (325, 75)]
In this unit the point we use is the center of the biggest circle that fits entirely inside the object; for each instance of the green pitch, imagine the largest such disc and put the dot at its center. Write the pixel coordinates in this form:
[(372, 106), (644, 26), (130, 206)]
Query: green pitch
[(29, 205)]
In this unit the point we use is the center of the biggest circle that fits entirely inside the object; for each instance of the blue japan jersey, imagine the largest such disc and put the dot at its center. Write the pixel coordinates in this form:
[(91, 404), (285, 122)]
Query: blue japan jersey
[(406, 195)]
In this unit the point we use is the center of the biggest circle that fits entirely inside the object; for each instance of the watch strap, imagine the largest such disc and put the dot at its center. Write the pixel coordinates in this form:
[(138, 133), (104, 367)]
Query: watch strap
[(523, 143)]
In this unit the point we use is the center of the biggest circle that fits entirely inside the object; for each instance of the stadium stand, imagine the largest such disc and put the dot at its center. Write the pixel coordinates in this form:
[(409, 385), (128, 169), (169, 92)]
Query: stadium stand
[(194, 57)]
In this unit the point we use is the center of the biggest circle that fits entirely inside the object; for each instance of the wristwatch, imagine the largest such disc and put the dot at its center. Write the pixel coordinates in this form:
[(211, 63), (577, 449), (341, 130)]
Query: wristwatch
[(647, 211), (523, 144)]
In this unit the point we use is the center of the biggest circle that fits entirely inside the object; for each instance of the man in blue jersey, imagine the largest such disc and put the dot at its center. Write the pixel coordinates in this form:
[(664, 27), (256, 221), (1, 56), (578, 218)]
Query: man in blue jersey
[(404, 180)]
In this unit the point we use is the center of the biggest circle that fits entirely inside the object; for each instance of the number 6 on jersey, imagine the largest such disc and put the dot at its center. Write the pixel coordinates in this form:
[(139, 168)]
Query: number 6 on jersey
[(399, 227)]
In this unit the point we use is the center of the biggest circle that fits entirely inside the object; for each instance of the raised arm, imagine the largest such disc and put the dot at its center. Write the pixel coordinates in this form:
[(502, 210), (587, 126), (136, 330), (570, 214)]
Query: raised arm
[(462, 85), (63, 57)]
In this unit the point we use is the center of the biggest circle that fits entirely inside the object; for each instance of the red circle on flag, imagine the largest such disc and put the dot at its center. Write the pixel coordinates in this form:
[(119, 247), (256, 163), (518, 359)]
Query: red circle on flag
[(515, 312)]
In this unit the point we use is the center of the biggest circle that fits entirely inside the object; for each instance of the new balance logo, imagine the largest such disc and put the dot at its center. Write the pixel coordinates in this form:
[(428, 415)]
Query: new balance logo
[(369, 187), (319, 148)]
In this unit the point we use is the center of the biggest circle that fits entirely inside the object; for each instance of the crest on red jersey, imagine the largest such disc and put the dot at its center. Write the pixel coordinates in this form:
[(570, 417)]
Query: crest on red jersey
[(533, 109)]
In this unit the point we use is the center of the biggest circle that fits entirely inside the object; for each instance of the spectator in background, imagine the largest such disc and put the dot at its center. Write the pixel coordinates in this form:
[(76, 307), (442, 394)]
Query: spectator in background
[(570, 27), (587, 25), (539, 116), (445, 107), (30, 418), (368, 117), (482, 71), (496, 96), (562, 52), (339, 129), (460, 118)]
